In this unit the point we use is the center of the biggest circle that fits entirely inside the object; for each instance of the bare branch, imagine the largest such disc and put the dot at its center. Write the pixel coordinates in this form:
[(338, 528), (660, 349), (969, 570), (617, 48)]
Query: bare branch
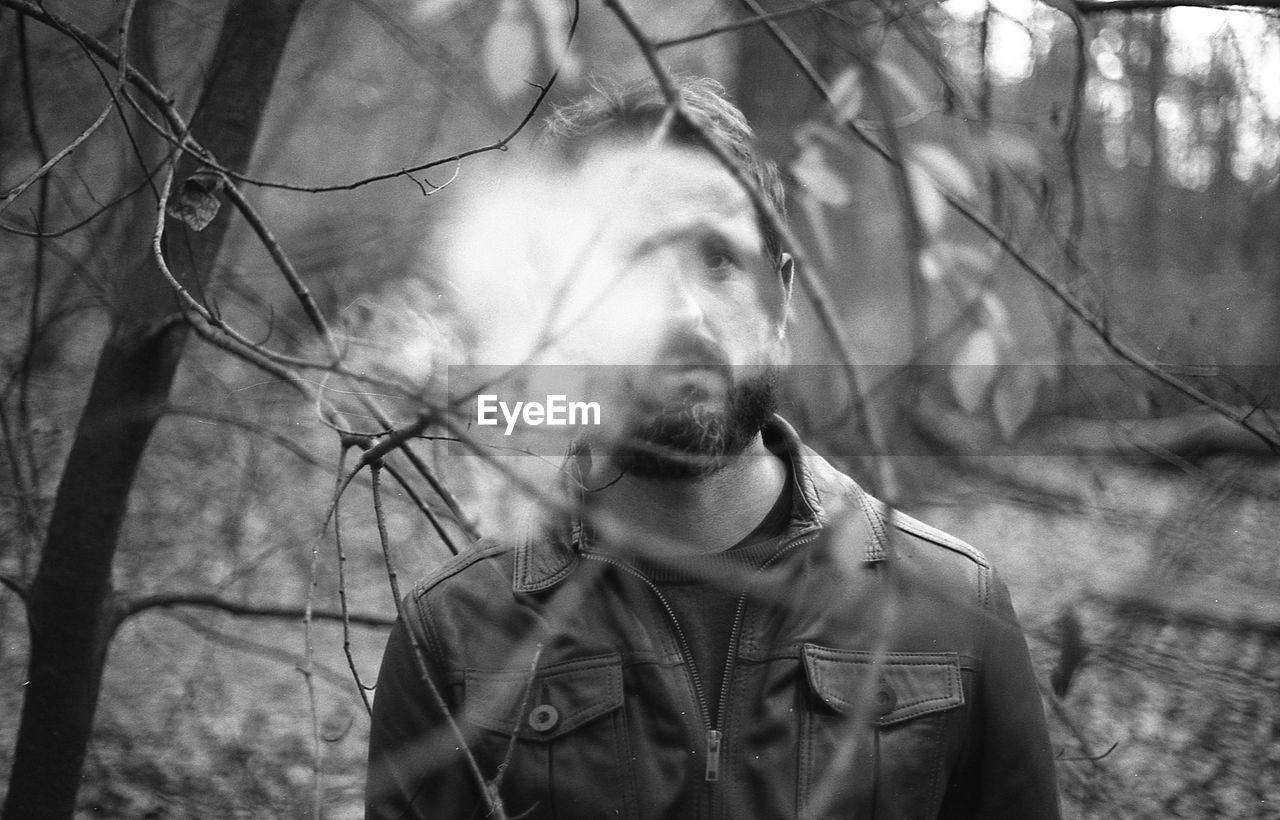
[(746, 22), (65, 151), (285, 266), (187, 145), (342, 593), (199, 600), (241, 644), (18, 587)]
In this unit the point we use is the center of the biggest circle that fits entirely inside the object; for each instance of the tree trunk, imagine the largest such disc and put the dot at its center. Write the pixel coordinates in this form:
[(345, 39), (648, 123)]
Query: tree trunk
[(71, 603)]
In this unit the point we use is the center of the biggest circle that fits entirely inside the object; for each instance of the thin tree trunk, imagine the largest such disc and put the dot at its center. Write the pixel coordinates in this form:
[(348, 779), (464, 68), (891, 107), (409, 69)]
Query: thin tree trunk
[(71, 603)]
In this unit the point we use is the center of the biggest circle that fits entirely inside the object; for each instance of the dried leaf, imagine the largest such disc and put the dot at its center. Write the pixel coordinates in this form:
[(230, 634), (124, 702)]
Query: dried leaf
[(996, 315), (196, 201), (1014, 398), (945, 168), (1015, 151), (931, 267), (974, 369), (847, 93), (954, 256), (911, 91), (819, 179), (931, 208)]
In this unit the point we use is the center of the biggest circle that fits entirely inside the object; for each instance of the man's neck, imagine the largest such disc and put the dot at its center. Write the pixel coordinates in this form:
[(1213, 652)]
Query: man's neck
[(686, 516)]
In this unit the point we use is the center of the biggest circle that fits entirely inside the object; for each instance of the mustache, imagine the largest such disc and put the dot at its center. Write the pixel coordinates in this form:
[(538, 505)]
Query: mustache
[(687, 349)]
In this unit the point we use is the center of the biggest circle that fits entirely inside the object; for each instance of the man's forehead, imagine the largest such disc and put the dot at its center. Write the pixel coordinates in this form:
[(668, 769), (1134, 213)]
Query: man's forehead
[(662, 184)]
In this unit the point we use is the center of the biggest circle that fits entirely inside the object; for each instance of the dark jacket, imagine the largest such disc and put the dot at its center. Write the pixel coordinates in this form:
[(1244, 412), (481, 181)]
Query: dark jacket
[(878, 671)]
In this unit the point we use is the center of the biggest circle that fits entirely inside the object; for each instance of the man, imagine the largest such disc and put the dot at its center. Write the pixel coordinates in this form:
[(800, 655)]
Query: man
[(719, 624)]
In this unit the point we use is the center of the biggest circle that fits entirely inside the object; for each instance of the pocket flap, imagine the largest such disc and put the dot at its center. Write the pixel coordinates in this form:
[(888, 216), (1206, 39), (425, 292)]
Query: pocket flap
[(561, 698), (886, 687)]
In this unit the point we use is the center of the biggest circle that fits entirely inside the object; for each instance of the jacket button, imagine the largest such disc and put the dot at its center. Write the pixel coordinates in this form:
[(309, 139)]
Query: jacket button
[(886, 700), (544, 718)]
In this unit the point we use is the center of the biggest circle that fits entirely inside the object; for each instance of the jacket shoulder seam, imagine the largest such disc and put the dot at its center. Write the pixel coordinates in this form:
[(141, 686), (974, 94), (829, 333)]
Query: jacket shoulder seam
[(454, 566), (936, 536)]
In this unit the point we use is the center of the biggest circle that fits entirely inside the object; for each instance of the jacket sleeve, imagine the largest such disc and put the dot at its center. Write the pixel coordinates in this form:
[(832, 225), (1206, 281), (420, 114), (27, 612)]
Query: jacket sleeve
[(416, 766), (1014, 775)]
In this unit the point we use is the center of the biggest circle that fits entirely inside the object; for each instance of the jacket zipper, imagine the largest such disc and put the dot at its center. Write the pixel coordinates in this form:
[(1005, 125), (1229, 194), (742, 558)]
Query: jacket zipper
[(714, 735)]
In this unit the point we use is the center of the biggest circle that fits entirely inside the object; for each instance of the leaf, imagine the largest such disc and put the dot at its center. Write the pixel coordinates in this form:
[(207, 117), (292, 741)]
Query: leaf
[(1073, 650), (847, 93), (931, 267), (974, 368), (819, 179), (510, 51), (945, 168), (931, 208), (957, 255), (1015, 151), (915, 97), (196, 201), (995, 315), (1014, 398)]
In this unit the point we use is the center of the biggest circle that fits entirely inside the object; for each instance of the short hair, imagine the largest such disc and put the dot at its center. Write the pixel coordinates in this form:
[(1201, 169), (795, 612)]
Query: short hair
[(636, 109)]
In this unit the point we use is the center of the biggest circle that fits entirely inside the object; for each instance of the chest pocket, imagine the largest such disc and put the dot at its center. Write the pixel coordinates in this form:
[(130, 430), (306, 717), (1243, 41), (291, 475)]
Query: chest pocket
[(568, 728), (872, 742)]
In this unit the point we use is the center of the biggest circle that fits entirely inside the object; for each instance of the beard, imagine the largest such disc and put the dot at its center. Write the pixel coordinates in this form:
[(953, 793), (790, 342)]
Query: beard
[(687, 438)]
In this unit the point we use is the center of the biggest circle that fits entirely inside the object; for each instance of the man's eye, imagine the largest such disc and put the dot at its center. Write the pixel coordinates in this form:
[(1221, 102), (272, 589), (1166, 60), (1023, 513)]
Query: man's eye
[(719, 263)]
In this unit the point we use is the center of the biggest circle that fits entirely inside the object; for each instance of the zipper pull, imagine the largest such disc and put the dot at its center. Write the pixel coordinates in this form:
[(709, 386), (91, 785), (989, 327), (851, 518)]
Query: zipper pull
[(713, 755)]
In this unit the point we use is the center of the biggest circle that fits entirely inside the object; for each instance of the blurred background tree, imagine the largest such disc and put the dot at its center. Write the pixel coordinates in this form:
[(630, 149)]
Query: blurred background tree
[(1042, 236)]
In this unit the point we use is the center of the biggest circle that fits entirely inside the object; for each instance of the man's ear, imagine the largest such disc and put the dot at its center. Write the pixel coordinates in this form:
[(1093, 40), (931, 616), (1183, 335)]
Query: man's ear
[(787, 270)]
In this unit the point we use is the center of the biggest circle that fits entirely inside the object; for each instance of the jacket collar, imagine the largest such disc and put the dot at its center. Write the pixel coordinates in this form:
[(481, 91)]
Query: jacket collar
[(548, 552)]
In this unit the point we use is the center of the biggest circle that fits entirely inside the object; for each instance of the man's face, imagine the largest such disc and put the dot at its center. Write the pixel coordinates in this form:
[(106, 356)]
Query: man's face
[(685, 296)]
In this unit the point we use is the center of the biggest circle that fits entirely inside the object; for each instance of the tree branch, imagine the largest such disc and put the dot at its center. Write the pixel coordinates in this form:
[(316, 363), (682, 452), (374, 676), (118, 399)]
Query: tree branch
[(197, 600), (190, 147), (746, 22), (19, 588)]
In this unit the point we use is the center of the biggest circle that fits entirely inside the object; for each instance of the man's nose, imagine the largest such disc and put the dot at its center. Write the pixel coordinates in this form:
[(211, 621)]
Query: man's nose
[(684, 308)]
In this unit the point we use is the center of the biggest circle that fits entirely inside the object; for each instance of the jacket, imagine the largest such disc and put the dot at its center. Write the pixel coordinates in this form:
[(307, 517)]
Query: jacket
[(876, 671)]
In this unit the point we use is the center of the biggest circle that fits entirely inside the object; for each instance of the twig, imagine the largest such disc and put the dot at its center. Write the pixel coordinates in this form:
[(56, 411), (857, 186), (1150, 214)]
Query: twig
[(102, 209), (286, 268), (248, 426), (198, 307), (375, 474), (19, 588), (309, 652), (232, 340), (492, 800), (185, 144), (51, 162), (747, 22), (496, 785), (342, 593), (240, 644)]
